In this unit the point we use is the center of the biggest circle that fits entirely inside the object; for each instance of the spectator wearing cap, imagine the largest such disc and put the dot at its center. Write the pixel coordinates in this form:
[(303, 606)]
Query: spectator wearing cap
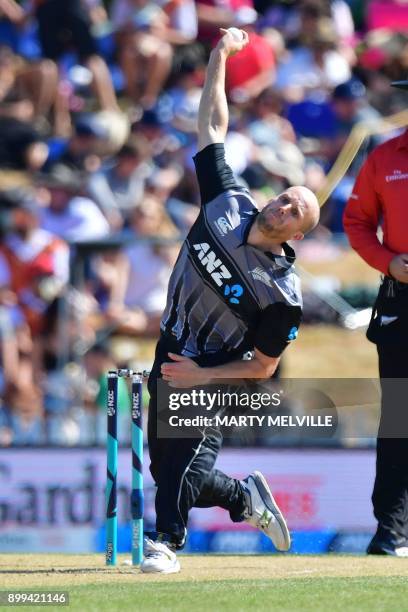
[(70, 215), (350, 105), (80, 151), (332, 120), (162, 141), (152, 127)]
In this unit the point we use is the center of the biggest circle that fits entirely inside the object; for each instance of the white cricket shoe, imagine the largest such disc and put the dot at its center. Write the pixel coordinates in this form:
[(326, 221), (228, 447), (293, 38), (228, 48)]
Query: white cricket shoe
[(159, 558), (262, 511)]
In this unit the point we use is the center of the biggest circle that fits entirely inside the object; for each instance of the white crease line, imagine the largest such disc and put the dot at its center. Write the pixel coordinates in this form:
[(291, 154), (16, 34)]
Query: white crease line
[(306, 571)]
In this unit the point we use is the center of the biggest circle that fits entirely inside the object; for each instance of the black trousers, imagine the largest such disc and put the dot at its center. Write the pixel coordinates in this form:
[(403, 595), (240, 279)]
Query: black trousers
[(390, 494), (183, 469)]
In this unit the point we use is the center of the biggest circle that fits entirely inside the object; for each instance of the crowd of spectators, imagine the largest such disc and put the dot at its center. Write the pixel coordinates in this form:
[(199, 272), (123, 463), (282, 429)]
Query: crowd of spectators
[(98, 109)]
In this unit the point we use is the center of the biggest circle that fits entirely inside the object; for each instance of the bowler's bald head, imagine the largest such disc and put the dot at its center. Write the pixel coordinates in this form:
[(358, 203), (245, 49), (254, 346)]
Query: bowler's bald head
[(311, 208)]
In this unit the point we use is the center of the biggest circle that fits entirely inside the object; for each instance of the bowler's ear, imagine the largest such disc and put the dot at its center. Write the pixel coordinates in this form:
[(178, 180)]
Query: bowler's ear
[(298, 236)]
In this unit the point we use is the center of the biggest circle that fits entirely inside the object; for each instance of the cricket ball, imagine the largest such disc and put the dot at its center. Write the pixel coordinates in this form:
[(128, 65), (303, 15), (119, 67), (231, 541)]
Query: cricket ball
[(236, 34)]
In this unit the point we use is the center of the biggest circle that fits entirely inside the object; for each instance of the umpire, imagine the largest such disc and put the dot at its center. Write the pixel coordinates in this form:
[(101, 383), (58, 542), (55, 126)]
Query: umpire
[(380, 198), (233, 290)]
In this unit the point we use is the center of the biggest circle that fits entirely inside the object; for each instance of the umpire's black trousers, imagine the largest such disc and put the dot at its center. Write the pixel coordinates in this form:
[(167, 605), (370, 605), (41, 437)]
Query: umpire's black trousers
[(183, 469), (389, 330)]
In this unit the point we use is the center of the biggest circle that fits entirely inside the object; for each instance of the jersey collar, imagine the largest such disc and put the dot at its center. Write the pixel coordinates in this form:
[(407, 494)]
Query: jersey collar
[(283, 261)]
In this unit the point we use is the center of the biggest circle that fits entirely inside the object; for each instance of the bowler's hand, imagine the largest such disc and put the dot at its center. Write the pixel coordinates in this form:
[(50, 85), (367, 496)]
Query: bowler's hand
[(229, 44), (183, 372), (398, 268)]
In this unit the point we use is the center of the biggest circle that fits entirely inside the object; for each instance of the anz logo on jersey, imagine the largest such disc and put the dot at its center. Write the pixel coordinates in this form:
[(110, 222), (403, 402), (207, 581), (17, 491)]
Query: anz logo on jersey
[(218, 272)]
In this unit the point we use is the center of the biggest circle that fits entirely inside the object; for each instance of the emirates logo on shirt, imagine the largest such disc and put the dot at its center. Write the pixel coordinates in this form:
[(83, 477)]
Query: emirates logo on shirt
[(397, 176)]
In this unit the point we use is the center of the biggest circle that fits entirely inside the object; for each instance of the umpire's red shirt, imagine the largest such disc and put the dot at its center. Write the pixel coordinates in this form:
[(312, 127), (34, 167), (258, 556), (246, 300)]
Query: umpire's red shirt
[(380, 197)]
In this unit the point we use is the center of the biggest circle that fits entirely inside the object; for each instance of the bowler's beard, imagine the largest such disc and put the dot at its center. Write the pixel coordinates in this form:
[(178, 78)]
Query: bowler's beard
[(265, 226)]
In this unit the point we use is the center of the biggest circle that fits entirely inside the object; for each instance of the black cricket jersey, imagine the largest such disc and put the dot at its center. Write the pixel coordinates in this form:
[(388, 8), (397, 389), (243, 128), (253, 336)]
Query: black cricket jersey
[(225, 296)]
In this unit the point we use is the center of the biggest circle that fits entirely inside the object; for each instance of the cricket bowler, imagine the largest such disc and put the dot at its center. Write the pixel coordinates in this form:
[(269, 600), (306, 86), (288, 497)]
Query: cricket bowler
[(233, 290)]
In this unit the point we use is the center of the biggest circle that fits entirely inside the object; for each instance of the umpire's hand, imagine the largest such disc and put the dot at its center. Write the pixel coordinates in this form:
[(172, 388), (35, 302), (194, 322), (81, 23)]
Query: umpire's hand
[(398, 268)]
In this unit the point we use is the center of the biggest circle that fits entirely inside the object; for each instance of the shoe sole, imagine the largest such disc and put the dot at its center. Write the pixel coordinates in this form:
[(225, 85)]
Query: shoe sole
[(401, 552), (172, 570), (270, 503), (381, 551)]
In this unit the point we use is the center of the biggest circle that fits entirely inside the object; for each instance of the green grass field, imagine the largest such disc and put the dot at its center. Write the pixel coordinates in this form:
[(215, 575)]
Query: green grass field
[(324, 583)]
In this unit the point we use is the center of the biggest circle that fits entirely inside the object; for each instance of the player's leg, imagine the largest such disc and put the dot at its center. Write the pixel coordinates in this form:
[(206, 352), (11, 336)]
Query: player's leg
[(180, 480), (179, 468), (225, 492), (159, 555), (390, 494), (247, 500), (185, 476)]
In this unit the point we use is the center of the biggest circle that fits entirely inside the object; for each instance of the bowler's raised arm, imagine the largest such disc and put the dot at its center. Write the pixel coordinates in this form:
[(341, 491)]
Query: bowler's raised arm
[(213, 112)]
